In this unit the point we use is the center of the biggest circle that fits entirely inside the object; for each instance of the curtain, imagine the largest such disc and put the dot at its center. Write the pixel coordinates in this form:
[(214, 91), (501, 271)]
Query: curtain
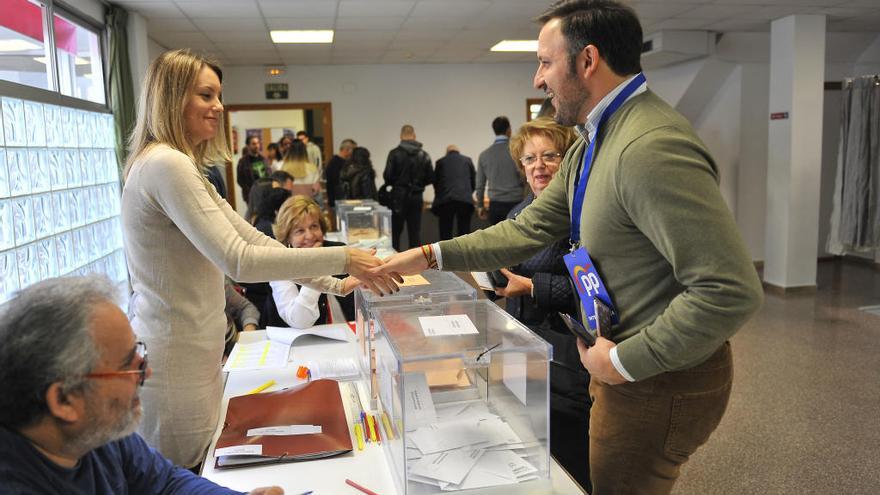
[(122, 102), (855, 222)]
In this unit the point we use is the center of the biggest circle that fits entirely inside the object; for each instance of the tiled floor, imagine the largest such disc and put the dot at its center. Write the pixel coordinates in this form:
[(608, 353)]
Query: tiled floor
[(804, 416)]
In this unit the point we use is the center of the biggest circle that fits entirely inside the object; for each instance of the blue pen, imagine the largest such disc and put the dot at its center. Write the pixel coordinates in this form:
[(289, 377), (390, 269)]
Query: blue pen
[(306, 493)]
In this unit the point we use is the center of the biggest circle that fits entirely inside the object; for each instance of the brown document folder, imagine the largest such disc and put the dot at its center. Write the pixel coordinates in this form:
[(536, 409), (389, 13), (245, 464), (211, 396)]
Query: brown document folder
[(314, 403)]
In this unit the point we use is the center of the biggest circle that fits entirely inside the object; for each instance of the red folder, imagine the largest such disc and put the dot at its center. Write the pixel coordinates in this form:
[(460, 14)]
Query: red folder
[(313, 403)]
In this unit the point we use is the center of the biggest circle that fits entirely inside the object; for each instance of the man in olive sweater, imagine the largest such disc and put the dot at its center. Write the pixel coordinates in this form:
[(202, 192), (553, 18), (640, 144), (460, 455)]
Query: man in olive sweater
[(660, 235)]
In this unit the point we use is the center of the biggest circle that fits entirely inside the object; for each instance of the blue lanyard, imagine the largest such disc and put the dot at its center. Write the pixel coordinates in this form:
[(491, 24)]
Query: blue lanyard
[(580, 185)]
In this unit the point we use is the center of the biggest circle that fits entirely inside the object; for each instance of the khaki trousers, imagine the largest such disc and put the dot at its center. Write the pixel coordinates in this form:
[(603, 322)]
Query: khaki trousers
[(641, 433)]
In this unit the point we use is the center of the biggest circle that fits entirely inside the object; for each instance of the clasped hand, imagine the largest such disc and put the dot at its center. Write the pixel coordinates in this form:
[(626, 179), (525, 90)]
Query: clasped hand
[(362, 264)]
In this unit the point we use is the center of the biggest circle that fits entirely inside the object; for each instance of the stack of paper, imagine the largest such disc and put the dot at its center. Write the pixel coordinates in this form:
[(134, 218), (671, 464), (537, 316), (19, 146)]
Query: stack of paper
[(467, 447)]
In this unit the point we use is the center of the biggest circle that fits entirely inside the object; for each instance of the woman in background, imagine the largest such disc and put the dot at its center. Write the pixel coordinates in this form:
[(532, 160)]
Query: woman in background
[(305, 173), (300, 224), (539, 288), (180, 239)]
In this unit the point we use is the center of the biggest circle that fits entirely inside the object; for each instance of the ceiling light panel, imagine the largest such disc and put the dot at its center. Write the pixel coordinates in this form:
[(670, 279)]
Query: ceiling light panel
[(302, 36)]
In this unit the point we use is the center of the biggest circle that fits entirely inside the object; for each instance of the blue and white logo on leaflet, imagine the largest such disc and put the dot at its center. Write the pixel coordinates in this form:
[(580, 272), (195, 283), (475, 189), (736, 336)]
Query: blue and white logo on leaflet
[(588, 284)]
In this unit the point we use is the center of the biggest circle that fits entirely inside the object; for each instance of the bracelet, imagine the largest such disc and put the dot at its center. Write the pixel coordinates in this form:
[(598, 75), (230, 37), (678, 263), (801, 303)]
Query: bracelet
[(428, 253)]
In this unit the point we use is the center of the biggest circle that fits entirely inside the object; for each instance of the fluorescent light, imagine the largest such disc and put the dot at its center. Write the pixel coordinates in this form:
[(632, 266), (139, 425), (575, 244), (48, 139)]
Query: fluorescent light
[(17, 45), (303, 36), (515, 46)]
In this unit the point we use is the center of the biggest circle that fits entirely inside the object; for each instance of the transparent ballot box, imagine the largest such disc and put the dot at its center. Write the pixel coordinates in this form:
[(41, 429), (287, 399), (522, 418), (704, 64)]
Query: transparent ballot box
[(366, 226), (344, 205), (463, 399), (421, 291)]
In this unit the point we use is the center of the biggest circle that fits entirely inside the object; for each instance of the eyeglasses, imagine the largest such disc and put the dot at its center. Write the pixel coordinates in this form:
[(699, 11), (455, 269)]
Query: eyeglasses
[(548, 158), (141, 351)]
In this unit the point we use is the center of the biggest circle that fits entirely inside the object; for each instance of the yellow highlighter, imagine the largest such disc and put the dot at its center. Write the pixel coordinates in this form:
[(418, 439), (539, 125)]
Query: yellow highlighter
[(262, 387), (389, 433), (359, 433)]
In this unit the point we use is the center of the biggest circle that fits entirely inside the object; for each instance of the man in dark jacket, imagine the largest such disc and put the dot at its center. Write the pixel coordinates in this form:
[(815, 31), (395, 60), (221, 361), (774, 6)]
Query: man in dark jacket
[(251, 166), (408, 170), (454, 179), (334, 166)]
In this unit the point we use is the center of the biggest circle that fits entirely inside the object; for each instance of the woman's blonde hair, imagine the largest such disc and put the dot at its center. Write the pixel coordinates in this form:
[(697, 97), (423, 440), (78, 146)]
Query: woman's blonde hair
[(292, 212), (562, 137), (160, 120)]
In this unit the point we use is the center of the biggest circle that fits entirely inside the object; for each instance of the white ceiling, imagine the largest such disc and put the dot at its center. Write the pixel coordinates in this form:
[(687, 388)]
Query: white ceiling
[(437, 31)]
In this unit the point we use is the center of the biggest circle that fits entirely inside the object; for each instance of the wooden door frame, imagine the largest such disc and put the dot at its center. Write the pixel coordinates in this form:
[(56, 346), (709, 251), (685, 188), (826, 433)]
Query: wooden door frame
[(326, 125)]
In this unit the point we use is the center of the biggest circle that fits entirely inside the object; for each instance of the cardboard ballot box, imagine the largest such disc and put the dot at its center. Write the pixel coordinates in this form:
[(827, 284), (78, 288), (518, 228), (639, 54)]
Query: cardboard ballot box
[(420, 291), (463, 399)]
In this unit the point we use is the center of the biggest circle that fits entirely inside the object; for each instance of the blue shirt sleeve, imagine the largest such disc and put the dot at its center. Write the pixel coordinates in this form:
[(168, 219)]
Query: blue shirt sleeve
[(149, 473)]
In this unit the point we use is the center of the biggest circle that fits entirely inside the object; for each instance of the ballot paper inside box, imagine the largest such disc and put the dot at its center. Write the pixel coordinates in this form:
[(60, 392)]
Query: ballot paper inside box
[(463, 398), (420, 291), (366, 226)]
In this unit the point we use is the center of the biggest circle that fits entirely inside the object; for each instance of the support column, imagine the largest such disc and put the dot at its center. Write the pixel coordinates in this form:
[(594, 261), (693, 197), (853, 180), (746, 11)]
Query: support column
[(794, 162)]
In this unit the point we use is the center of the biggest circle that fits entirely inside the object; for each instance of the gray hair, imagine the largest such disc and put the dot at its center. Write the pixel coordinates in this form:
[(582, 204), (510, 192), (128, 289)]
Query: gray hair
[(46, 335)]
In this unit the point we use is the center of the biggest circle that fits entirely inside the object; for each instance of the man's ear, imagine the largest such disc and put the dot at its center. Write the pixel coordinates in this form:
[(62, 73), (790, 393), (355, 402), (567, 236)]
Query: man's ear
[(589, 60), (68, 407)]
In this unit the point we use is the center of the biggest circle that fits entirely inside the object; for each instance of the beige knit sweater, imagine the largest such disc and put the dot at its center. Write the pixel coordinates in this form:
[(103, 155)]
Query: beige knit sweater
[(180, 238)]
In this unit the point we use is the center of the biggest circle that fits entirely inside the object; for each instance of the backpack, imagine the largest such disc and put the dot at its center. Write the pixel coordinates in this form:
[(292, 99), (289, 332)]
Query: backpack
[(356, 182)]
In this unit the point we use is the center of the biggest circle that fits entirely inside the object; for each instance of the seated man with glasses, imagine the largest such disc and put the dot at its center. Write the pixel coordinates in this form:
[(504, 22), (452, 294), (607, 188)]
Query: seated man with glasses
[(70, 372)]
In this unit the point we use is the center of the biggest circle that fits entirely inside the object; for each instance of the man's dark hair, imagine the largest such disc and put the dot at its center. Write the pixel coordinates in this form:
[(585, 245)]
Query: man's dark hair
[(612, 27), (280, 176), (46, 330), (250, 138), (500, 125), (301, 133)]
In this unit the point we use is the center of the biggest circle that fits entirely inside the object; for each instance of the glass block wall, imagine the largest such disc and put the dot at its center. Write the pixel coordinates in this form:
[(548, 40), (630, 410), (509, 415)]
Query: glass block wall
[(59, 195)]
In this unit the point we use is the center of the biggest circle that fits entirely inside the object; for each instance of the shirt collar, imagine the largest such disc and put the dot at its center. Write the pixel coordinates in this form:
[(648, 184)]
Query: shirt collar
[(500, 139), (588, 129)]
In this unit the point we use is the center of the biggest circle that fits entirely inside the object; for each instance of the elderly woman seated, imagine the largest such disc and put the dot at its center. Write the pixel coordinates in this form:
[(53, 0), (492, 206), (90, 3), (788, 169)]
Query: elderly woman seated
[(300, 224)]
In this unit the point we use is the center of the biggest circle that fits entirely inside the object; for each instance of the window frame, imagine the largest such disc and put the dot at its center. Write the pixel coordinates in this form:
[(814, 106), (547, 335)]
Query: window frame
[(54, 96)]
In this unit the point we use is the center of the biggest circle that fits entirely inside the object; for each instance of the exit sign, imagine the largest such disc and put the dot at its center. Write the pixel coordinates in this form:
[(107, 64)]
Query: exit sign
[(276, 91)]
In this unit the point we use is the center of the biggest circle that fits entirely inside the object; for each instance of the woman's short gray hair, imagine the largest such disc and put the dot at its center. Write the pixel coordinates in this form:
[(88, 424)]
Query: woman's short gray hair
[(46, 337)]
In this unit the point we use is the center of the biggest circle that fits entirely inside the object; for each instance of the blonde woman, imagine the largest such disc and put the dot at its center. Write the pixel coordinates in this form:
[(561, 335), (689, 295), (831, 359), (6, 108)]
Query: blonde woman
[(305, 173), (181, 237), (300, 224)]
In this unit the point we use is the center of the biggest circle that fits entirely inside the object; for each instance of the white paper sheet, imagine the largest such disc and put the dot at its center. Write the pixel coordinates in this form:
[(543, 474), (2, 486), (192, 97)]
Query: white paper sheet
[(514, 374), (289, 335), (419, 406), (239, 450), (259, 355), (340, 368), (483, 280), (434, 326), (285, 430), (468, 432), (451, 467)]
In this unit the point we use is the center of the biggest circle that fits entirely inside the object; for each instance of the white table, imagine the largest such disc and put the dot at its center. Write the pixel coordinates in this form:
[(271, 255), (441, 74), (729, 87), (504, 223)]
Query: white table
[(367, 467)]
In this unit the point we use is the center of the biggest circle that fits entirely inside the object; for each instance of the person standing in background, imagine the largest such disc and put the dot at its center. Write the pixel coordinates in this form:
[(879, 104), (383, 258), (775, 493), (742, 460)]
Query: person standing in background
[(454, 180), (497, 167), (334, 166), (312, 149), (305, 173), (251, 166), (408, 170), (180, 239)]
